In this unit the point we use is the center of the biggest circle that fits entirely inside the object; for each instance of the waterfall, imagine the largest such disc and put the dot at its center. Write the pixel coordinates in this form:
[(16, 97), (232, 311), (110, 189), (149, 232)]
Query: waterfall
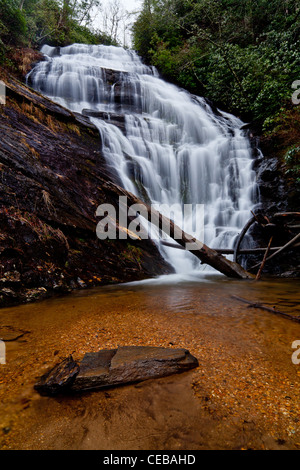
[(172, 148)]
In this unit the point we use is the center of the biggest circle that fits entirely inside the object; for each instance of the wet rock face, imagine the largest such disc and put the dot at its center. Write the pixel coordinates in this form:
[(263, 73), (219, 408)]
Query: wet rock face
[(276, 195), (277, 188), (108, 368), (117, 120), (272, 185), (52, 177)]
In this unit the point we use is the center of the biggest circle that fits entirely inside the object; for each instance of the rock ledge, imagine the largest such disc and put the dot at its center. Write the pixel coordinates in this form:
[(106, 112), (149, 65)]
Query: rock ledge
[(108, 368)]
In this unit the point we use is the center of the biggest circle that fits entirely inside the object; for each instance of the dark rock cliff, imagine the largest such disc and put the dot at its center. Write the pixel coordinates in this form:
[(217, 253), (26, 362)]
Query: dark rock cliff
[(52, 179), (278, 194)]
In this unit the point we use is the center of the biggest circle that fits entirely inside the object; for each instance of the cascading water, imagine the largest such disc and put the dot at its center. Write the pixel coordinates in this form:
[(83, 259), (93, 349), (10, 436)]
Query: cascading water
[(175, 149)]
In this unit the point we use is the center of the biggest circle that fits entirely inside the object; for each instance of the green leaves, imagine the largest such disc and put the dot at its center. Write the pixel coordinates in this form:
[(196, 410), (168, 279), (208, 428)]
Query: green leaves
[(242, 54), (12, 23), (56, 22), (292, 160)]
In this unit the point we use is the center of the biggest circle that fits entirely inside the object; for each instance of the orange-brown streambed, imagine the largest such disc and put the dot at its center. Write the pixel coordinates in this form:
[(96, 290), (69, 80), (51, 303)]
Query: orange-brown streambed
[(244, 395)]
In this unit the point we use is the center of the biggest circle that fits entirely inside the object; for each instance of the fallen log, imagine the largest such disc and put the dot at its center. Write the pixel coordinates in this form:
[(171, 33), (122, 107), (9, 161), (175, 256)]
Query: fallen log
[(230, 251), (200, 250), (268, 309)]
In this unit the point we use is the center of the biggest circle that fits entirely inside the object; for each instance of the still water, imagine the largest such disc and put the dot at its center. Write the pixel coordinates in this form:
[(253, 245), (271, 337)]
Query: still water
[(245, 393)]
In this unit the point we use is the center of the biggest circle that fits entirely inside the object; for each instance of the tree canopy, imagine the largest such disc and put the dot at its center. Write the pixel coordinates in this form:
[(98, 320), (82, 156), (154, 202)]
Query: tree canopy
[(243, 54), (57, 22)]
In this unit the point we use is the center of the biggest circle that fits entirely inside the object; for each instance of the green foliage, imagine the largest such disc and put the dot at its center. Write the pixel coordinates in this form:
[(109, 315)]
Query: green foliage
[(56, 22), (83, 35), (292, 160), (42, 19), (242, 54), (12, 26)]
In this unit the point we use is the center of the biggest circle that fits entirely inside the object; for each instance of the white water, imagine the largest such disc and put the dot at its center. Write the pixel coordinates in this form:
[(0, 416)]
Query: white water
[(176, 149)]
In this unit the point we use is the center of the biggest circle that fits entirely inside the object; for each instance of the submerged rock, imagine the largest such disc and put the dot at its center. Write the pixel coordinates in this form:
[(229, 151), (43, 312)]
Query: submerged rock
[(59, 378), (108, 368)]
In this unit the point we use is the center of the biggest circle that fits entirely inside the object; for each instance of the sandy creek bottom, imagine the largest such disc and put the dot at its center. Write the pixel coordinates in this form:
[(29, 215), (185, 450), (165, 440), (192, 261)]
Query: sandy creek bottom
[(244, 395)]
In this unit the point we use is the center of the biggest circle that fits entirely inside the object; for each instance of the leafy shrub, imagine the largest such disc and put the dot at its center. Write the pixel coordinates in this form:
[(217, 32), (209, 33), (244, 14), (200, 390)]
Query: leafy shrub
[(292, 160)]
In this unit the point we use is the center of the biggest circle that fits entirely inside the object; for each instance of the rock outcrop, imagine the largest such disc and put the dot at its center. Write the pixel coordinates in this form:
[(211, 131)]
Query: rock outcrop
[(108, 368), (52, 176), (117, 120), (277, 194)]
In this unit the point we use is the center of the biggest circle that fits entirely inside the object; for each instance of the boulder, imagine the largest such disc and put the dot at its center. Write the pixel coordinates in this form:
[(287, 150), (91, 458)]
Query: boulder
[(108, 368), (59, 378)]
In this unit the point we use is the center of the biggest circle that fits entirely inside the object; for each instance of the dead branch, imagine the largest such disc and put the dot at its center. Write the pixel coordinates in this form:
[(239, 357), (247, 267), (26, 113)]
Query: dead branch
[(283, 248), (268, 309), (264, 260), (242, 235)]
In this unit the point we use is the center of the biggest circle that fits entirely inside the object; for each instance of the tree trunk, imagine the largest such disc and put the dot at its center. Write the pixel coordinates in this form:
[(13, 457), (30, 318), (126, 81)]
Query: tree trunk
[(63, 18)]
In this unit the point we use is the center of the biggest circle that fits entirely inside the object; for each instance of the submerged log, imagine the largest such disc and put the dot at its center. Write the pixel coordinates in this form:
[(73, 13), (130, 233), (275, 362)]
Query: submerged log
[(268, 309), (200, 250), (108, 368)]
